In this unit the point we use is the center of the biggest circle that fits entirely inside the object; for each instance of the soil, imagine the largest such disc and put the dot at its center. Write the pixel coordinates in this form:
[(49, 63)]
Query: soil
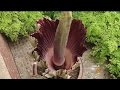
[(21, 53)]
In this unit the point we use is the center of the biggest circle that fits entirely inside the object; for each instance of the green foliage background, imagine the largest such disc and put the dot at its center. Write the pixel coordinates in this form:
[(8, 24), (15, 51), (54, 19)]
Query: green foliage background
[(18, 23)]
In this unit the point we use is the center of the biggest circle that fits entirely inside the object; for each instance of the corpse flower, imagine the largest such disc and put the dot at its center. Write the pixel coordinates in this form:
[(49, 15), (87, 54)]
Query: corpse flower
[(58, 47)]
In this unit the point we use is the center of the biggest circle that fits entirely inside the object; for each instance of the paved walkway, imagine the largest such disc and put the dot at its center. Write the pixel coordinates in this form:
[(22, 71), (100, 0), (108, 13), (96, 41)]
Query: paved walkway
[(4, 74), (7, 63)]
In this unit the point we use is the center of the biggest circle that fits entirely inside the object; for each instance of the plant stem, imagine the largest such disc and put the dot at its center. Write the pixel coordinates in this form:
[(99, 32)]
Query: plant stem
[(61, 37)]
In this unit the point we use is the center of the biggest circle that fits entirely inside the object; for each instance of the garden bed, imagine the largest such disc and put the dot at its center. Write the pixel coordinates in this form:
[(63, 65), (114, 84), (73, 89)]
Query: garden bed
[(103, 42)]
